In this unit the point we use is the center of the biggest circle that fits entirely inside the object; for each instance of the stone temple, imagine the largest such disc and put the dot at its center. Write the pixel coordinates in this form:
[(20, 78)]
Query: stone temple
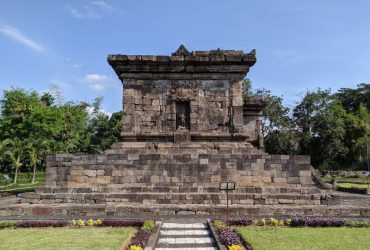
[(186, 127)]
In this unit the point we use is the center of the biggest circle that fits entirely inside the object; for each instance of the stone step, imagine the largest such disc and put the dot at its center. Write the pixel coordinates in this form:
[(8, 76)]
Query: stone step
[(179, 198), (179, 190), (184, 236)]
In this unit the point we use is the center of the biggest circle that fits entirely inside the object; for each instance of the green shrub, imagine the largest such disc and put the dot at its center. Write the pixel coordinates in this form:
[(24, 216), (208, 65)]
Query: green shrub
[(357, 223), (218, 224), (148, 225), (7, 224)]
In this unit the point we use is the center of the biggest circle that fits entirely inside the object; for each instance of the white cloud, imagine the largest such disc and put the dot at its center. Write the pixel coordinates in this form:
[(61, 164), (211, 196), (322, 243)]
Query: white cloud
[(97, 86), (77, 65), (92, 10), (15, 34), (102, 5), (99, 82), (74, 12)]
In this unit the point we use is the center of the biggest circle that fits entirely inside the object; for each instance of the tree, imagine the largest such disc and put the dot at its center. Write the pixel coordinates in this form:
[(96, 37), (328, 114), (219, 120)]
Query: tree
[(15, 153), (329, 130), (3, 149), (321, 122), (352, 98), (47, 99), (35, 150), (73, 133), (304, 114), (104, 129), (275, 114)]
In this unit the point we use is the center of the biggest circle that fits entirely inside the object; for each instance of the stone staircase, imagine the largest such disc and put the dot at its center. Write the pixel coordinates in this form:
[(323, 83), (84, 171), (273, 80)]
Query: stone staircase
[(185, 236)]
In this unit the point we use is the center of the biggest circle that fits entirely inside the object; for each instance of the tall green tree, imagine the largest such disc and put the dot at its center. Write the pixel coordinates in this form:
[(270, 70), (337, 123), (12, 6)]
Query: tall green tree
[(104, 129), (304, 114), (352, 98)]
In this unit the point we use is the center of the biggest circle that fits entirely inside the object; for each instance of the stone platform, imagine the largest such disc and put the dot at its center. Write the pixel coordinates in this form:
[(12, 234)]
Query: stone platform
[(132, 178)]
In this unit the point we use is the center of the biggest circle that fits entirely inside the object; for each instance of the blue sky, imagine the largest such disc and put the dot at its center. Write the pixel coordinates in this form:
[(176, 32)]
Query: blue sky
[(301, 45)]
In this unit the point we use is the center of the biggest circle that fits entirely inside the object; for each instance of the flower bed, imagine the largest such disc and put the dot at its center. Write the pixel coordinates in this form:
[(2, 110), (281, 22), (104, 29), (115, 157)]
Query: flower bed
[(140, 239), (317, 222)]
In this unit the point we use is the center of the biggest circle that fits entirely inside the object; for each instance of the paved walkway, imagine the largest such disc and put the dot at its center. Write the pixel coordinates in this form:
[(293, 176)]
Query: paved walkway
[(185, 236)]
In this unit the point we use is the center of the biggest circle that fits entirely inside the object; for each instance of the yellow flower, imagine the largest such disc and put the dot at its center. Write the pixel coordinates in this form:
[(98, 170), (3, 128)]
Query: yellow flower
[(90, 222), (263, 221), (135, 247), (81, 223), (235, 247)]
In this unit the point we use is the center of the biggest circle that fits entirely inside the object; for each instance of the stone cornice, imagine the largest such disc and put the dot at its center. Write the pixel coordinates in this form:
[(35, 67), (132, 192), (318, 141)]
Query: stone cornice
[(182, 64)]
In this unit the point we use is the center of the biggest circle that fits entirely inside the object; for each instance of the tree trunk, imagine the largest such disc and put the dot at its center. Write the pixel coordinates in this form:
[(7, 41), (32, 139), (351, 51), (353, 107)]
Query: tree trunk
[(34, 173), (15, 176)]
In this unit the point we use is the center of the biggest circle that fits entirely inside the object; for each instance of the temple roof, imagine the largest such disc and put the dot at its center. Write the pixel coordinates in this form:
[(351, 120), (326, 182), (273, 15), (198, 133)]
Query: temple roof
[(183, 62), (182, 54)]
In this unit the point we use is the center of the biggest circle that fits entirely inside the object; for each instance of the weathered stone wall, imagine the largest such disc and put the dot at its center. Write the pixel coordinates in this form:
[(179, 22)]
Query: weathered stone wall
[(182, 175), (150, 106), (209, 82)]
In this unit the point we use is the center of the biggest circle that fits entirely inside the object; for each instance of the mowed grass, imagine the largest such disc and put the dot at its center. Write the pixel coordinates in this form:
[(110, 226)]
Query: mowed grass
[(23, 182), (282, 238), (354, 185), (64, 238)]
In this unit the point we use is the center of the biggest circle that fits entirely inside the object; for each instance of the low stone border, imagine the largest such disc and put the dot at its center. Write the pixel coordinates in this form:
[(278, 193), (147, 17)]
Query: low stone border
[(354, 190), (215, 236), (154, 236)]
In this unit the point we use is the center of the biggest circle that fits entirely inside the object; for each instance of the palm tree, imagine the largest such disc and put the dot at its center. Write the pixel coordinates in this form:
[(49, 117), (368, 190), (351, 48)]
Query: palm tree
[(35, 152), (16, 154)]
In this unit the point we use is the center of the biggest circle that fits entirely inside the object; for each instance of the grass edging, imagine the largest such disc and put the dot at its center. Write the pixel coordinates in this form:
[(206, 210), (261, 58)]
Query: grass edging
[(215, 236), (126, 243), (153, 237)]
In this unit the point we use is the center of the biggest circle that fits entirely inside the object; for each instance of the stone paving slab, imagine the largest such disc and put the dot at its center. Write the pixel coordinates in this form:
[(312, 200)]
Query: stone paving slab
[(183, 225), (184, 232)]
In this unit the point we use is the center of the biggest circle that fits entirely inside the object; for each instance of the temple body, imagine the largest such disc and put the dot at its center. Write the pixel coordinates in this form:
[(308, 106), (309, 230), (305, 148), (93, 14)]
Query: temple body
[(194, 96)]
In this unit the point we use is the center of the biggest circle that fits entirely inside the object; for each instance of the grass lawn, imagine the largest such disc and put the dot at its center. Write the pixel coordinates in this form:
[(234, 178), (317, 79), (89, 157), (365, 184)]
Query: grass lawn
[(64, 238), (281, 238), (355, 185), (23, 182)]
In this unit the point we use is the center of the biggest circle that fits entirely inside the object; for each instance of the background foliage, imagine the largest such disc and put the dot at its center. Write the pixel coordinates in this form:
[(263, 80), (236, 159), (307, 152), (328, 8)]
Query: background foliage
[(34, 125), (330, 127)]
